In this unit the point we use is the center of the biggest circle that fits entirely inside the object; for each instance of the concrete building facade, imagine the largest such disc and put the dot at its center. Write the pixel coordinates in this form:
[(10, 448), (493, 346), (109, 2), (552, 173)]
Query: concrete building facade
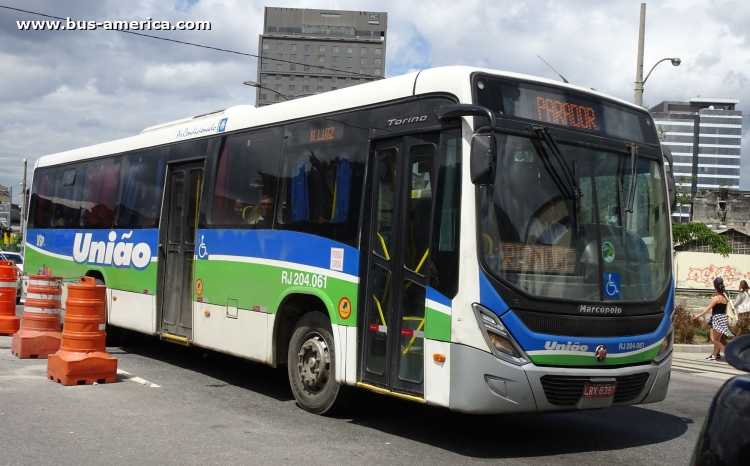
[(705, 137), (307, 51)]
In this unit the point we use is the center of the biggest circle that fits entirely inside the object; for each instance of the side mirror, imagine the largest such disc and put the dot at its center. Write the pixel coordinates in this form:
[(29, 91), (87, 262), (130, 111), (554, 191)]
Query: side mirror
[(671, 188), (483, 159)]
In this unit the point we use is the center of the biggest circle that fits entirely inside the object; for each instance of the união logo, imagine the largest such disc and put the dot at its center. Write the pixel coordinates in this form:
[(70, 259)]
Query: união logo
[(121, 254), (570, 346)]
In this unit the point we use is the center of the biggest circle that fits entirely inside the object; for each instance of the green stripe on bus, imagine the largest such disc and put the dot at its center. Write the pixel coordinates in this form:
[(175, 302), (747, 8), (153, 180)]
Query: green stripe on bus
[(437, 325), (584, 360), (264, 287), (126, 279)]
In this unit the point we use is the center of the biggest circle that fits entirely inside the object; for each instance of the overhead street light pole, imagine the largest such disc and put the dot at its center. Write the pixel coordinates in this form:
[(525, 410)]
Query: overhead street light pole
[(260, 86), (639, 80)]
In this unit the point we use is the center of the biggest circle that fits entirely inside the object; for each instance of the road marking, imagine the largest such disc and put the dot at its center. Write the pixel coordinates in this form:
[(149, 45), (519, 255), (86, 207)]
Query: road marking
[(138, 380)]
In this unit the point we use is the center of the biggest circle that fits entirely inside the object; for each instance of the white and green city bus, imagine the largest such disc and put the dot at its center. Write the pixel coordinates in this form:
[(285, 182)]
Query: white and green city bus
[(483, 241)]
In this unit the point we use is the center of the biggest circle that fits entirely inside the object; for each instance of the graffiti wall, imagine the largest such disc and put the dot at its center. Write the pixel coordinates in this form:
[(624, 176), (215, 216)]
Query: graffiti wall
[(697, 270)]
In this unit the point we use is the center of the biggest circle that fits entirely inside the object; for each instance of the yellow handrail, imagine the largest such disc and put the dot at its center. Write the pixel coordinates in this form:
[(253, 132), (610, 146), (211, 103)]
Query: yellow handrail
[(382, 243), (380, 310), (411, 342)]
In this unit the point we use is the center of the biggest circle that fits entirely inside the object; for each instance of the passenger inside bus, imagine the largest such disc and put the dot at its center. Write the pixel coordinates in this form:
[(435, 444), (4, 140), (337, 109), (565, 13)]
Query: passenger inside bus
[(264, 219)]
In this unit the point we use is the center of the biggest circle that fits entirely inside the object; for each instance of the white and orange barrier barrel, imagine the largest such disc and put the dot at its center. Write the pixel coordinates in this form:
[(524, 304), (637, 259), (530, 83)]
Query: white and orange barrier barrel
[(9, 323), (83, 358), (40, 323)]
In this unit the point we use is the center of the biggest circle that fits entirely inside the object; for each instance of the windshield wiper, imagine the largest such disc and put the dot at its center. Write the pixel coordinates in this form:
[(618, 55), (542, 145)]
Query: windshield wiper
[(633, 178), (543, 131)]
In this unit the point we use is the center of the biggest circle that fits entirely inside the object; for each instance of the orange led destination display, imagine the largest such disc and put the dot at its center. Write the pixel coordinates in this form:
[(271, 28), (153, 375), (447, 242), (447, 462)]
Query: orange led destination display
[(566, 114), (538, 258)]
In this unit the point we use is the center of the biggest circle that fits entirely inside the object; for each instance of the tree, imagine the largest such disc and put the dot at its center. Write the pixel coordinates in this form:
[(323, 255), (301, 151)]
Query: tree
[(686, 232)]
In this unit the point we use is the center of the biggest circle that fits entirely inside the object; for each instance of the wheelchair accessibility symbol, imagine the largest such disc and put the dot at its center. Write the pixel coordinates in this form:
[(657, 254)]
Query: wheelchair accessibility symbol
[(202, 251), (611, 285)]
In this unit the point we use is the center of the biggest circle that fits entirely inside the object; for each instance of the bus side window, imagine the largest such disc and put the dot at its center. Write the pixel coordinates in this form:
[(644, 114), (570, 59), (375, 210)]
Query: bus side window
[(141, 189), (66, 202), (40, 203), (99, 190), (246, 178)]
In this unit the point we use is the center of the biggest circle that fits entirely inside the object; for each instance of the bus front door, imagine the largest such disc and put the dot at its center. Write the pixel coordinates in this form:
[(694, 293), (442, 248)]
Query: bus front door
[(177, 248), (398, 267)]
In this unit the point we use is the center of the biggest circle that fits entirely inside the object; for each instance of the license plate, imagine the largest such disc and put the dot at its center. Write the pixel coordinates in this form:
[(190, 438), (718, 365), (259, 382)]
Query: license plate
[(599, 390)]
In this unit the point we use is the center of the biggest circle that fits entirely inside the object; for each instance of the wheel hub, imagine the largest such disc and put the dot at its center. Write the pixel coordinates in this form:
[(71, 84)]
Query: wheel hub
[(313, 362)]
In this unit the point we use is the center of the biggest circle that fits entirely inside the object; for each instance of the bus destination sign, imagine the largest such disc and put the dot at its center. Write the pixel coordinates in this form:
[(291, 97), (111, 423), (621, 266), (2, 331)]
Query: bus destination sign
[(539, 258), (563, 113)]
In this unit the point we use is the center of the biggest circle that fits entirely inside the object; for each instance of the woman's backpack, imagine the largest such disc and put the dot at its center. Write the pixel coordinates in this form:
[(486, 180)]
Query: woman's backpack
[(731, 311)]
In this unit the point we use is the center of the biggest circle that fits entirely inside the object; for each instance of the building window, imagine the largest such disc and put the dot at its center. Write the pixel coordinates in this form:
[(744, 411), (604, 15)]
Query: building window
[(378, 61), (264, 55), (363, 51), (279, 56), (279, 46), (333, 88), (335, 49), (308, 48), (277, 87), (291, 88), (278, 77), (361, 80), (264, 66), (307, 58), (307, 68), (277, 97), (376, 71), (306, 78), (349, 69), (294, 47), (293, 67), (321, 58), (334, 59), (333, 79), (349, 60), (335, 68), (279, 67), (292, 77), (349, 50), (320, 79), (348, 80), (363, 61), (320, 69), (263, 77), (362, 70), (320, 88), (266, 46), (305, 88), (262, 97), (378, 51), (293, 57), (322, 48)]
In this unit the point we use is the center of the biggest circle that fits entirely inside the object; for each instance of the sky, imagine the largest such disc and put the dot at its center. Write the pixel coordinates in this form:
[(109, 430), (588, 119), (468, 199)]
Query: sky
[(61, 90)]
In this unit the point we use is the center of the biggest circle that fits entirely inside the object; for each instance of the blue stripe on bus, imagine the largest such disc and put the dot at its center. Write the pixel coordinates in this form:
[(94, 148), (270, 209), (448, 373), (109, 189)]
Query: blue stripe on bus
[(289, 246), (530, 341), (489, 297), (433, 295)]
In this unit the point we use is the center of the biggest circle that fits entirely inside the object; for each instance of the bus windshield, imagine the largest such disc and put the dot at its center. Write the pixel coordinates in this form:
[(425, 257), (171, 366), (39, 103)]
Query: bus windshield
[(542, 238)]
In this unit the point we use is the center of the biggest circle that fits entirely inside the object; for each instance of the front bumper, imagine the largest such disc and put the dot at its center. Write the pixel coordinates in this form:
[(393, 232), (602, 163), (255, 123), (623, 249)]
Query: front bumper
[(483, 384)]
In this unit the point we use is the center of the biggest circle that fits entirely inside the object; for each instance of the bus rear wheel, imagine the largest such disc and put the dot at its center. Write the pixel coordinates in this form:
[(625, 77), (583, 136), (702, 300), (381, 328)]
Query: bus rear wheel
[(311, 366)]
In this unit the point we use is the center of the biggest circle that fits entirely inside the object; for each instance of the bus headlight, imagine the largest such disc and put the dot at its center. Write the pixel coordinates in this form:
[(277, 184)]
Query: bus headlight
[(666, 346), (498, 338)]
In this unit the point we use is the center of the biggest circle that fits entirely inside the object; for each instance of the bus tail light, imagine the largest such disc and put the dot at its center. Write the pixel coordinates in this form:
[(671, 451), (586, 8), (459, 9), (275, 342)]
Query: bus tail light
[(498, 338)]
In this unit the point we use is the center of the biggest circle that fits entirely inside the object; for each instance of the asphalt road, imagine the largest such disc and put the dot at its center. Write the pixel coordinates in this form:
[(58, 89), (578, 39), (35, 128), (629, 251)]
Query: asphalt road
[(186, 406)]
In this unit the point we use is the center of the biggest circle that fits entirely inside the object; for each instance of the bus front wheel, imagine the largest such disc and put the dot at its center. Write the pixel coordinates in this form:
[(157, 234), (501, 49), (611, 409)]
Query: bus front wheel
[(311, 364)]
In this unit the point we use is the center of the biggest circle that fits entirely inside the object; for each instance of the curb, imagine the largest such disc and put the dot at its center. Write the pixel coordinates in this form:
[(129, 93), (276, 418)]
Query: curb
[(684, 348)]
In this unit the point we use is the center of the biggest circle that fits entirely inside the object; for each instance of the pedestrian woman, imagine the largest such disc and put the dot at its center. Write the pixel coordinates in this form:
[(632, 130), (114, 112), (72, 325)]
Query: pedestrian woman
[(743, 298), (718, 323)]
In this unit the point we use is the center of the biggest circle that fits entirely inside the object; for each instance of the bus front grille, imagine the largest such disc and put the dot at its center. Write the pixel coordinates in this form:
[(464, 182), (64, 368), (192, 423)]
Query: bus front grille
[(563, 390), (584, 326)]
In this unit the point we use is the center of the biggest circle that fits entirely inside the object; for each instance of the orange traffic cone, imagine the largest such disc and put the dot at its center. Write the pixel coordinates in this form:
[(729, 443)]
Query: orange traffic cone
[(40, 323), (9, 323), (83, 358)]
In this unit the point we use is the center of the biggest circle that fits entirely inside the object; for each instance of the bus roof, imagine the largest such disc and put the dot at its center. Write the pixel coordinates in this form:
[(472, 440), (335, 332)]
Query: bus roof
[(450, 79)]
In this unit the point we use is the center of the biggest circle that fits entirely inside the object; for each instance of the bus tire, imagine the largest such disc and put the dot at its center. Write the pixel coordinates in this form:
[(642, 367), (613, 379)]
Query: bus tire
[(310, 365)]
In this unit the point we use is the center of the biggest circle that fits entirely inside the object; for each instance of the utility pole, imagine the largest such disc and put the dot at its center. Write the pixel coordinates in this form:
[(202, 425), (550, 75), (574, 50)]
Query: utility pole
[(639, 65), (23, 203)]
